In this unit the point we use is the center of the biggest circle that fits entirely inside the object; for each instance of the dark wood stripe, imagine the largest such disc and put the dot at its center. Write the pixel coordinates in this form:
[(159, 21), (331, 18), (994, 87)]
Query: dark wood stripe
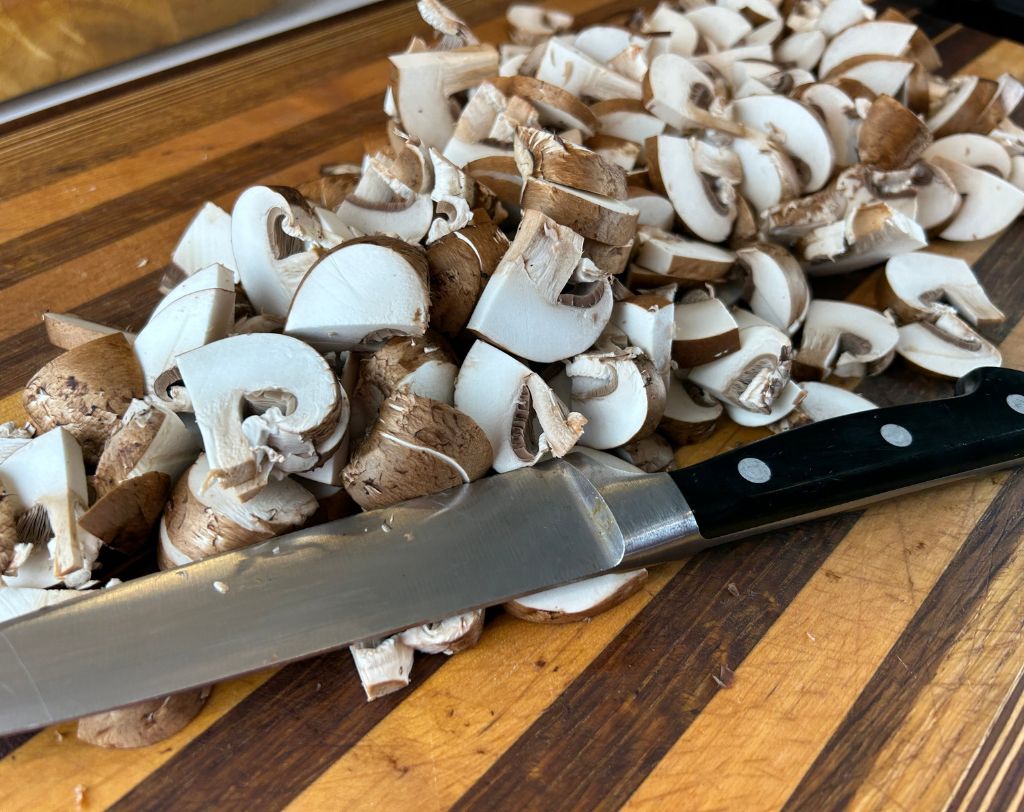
[(8, 744), (911, 665), (958, 49), (1002, 757), (604, 734)]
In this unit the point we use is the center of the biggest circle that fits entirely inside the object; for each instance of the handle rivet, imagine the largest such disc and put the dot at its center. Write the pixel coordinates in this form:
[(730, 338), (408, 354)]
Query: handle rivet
[(896, 435), (1016, 402), (754, 470)]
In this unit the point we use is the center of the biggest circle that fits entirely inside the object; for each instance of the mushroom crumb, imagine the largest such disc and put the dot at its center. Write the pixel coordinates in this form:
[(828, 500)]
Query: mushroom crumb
[(80, 796), (725, 678), (733, 589)]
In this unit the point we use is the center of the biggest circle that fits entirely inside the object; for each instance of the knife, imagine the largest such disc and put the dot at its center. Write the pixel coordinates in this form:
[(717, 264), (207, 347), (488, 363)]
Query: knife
[(376, 573)]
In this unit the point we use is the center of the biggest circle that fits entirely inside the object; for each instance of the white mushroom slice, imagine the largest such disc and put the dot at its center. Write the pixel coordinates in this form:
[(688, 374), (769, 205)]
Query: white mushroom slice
[(47, 477), (557, 108), (881, 74), (705, 204), (150, 438), (619, 392), (872, 234), (704, 331), (13, 437), (822, 401), (362, 292), (845, 339), (506, 400), (689, 417), (650, 454), (455, 195), (948, 348), (753, 376), (627, 119), (578, 601), (922, 286), (423, 82), (67, 331), (395, 210), (1017, 171), (784, 404), (182, 322), (384, 667), (679, 93), (453, 29), (841, 14), (301, 412), (206, 241), (616, 151), (683, 35), (967, 98), (572, 70), (541, 154), (448, 636), (18, 601), (680, 258), (989, 205), (972, 149), (589, 215), (530, 24), (721, 60), (802, 49), (524, 308), (799, 132), (937, 198), (769, 175), (649, 324), (775, 286), (869, 38), (604, 42), (720, 26), (840, 116), (655, 210)]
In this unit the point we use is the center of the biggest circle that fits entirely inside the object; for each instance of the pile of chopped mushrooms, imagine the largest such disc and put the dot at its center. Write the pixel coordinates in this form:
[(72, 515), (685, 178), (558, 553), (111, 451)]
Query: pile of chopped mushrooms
[(598, 239)]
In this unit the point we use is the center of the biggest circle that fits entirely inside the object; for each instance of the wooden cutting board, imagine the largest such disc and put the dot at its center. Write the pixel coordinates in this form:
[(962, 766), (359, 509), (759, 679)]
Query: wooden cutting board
[(871, 660)]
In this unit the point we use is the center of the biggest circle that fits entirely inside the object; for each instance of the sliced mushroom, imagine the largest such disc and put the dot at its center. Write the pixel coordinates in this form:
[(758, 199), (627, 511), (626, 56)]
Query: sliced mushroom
[(866, 39), (842, 121), (558, 109), (972, 149), (589, 215), (143, 723), (839, 15), (775, 286), (769, 174), (18, 601), (648, 323), (300, 416), (967, 99), (723, 27), (627, 120), (384, 666), (522, 417), (205, 242), (124, 517), (937, 198), (530, 24), (384, 202), (891, 136), (880, 74), (679, 93), (579, 601), (609, 259), (478, 124), (616, 151), (543, 155), (872, 234), (947, 348), (922, 286), (845, 339), (650, 454), (802, 49), (704, 331), (448, 636), (690, 415), (14, 437), (501, 175), (655, 210), (453, 29), (85, 390), (360, 293), (683, 35), (989, 205), (569, 68), (689, 261), (67, 331), (783, 405), (822, 401)]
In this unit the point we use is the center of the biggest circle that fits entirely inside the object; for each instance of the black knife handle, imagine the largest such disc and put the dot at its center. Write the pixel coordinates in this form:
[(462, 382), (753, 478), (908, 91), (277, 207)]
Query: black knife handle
[(846, 461)]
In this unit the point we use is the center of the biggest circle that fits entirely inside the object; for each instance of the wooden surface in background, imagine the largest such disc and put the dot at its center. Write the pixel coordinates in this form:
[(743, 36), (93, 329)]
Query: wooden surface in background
[(877, 655)]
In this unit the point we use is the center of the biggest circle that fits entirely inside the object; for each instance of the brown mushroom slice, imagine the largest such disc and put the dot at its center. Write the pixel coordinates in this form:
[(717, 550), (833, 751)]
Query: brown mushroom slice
[(753, 376), (989, 205), (151, 438), (619, 392), (448, 636), (968, 97), (872, 234), (567, 67), (784, 404), (683, 35), (273, 229), (822, 401), (598, 218), (704, 331), (86, 390), (845, 339), (769, 175), (648, 321), (650, 454), (501, 175), (67, 331), (384, 666), (615, 151), (947, 348), (530, 24), (203, 518), (802, 49), (454, 31), (301, 411), (579, 601), (541, 154), (655, 210), (841, 119), (677, 257), (775, 286), (521, 415), (937, 198), (1008, 95), (723, 27), (557, 108), (473, 136), (869, 38), (124, 517), (891, 136), (206, 241), (610, 259), (881, 74), (798, 131), (705, 204), (917, 287), (362, 292), (424, 81), (143, 723), (972, 149), (690, 416)]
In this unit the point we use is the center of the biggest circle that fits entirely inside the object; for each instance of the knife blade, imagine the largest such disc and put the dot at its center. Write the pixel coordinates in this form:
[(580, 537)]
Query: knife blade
[(370, 575)]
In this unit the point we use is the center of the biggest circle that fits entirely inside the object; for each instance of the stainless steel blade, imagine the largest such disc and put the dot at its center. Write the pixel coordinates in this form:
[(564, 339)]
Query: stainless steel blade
[(358, 578)]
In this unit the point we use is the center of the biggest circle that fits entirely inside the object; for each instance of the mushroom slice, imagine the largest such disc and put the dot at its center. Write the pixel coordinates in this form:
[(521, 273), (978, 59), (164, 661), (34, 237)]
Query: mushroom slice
[(872, 234), (683, 35), (753, 376), (923, 286), (868, 38), (680, 258), (845, 339), (18, 601), (448, 636), (891, 136), (541, 154), (362, 292), (124, 517), (947, 348), (579, 601), (205, 242), (67, 331), (722, 27), (802, 49), (418, 446), (798, 131), (655, 210), (822, 401), (989, 205), (453, 30), (605, 42), (396, 209), (618, 152), (841, 14), (203, 518), (784, 404), (424, 81), (705, 204), (968, 97), (937, 198), (775, 285), (85, 390), (599, 218), (151, 438), (1017, 172), (572, 70), (1007, 97), (690, 415), (648, 322), (143, 723), (650, 454), (529, 24), (921, 47), (840, 116), (881, 74), (384, 666), (522, 417), (557, 108), (609, 259), (501, 175), (972, 149), (704, 331), (301, 412), (626, 119), (769, 175), (200, 310), (679, 93)]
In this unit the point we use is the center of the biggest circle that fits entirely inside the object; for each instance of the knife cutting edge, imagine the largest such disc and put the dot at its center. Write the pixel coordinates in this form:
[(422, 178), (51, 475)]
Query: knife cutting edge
[(373, 574)]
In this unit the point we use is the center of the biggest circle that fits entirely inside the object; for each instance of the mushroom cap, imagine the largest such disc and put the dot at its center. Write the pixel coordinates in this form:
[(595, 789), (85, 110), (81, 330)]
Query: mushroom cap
[(542, 154), (599, 218), (687, 260), (649, 454), (754, 375), (783, 405), (703, 331), (688, 419), (558, 108), (143, 723), (891, 136), (124, 517), (578, 601), (448, 636), (823, 401)]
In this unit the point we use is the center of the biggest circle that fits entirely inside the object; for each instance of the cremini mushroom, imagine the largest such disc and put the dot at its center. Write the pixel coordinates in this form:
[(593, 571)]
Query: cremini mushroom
[(16, 601), (892, 137), (839, 112), (704, 331), (845, 339), (124, 517), (530, 24), (990, 203), (542, 154), (972, 149), (784, 404), (683, 36), (569, 68), (871, 234), (594, 216), (922, 286), (946, 347), (966, 100), (579, 601), (866, 39), (143, 723), (774, 285), (448, 636), (384, 666), (650, 454), (648, 322), (67, 331), (676, 258), (822, 401), (206, 241)]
